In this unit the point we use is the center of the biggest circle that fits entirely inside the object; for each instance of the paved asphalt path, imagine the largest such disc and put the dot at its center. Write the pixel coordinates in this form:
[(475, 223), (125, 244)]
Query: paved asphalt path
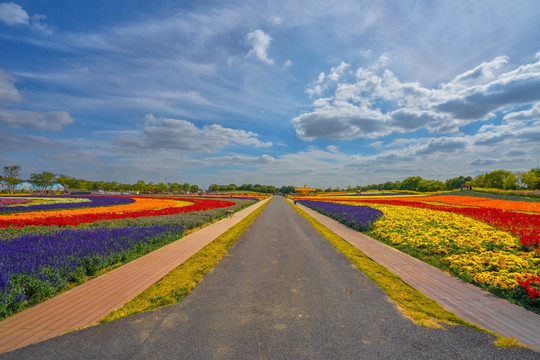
[(283, 292)]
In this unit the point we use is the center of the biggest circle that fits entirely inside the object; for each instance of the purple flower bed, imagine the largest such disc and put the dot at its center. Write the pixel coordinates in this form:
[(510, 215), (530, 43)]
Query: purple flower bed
[(36, 266), (94, 202), (10, 201), (373, 194), (358, 217)]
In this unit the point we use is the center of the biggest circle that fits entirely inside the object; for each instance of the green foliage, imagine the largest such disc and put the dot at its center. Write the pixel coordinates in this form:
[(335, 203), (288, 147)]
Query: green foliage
[(457, 182), (498, 179), (43, 180), (13, 171), (12, 175), (286, 189), (530, 179), (186, 187)]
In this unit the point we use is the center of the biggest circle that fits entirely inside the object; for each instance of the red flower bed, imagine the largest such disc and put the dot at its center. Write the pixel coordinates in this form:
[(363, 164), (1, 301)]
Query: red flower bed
[(531, 284), (525, 226), (199, 205)]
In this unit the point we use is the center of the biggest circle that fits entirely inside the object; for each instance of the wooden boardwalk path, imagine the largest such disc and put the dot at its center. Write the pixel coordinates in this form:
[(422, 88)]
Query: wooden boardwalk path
[(467, 301), (88, 303)]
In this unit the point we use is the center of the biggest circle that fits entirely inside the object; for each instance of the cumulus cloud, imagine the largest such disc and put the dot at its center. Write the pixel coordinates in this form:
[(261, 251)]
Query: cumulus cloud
[(13, 14), (340, 121), (375, 103), (481, 73), (442, 145), (181, 135), (259, 41), (526, 115)]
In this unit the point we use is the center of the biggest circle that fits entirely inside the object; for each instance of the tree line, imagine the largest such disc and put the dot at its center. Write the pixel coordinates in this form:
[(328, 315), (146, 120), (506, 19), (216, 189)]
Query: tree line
[(498, 179), (45, 179)]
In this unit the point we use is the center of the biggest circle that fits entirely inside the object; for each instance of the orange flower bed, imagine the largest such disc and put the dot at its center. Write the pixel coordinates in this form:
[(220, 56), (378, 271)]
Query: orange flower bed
[(138, 205), (480, 202)]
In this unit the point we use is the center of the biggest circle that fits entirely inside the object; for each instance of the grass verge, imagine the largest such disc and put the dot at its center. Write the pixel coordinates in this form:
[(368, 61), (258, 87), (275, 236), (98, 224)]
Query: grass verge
[(177, 284), (412, 303)]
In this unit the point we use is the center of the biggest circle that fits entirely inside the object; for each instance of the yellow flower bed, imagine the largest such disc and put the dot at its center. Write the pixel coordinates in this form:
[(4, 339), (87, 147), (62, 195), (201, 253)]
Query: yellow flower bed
[(471, 249), (139, 204)]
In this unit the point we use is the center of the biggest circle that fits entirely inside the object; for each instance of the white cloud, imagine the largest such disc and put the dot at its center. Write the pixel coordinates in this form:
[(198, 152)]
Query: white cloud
[(276, 20), (332, 148), (13, 143), (336, 72), (376, 103), (13, 14), (14, 118), (52, 120), (236, 160), (341, 121), (179, 135), (479, 75), (532, 114), (8, 91), (259, 41)]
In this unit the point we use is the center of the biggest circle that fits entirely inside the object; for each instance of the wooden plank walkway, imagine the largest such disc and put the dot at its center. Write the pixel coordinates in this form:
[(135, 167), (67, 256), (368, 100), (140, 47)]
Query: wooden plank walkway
[(467, 301), (87, 303)]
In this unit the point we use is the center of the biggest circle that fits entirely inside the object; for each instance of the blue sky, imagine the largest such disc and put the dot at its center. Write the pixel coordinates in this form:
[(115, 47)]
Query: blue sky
[(327, 94)]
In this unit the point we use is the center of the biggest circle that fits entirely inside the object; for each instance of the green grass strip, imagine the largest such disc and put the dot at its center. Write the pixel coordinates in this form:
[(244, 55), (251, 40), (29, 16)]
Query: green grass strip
[(177, 284)]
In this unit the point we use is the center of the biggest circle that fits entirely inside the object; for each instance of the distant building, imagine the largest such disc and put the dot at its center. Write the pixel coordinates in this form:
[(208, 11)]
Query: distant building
[(25, 186)]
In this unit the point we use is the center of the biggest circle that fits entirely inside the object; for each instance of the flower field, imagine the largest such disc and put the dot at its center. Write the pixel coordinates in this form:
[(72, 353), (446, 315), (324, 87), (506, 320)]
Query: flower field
[(493, 243), (46, 243)]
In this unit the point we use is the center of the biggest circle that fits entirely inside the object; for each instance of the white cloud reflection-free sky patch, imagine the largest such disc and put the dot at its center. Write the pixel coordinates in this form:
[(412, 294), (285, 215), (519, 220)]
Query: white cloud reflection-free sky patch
[(331, 94)]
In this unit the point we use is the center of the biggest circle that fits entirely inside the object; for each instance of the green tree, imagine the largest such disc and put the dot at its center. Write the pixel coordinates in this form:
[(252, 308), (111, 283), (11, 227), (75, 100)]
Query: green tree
[(12, 175), (287, 189), (498, 179), (139, 186), (194, 188), (410, 183), (430, 185), (186, 187), (160, 187), (174, 187), (213, 187), (43, 180), (530, 179), (389, 185), (455, 183), (67, 182), (231, 187)]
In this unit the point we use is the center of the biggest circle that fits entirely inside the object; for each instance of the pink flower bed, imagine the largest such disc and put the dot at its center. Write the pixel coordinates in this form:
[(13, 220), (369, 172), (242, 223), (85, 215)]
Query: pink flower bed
[(11, 201)]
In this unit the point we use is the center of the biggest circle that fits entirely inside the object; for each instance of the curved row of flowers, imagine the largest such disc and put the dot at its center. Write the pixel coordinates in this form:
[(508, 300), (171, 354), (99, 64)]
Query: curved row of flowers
[(43, 203), (491, 247), (42, 250)]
